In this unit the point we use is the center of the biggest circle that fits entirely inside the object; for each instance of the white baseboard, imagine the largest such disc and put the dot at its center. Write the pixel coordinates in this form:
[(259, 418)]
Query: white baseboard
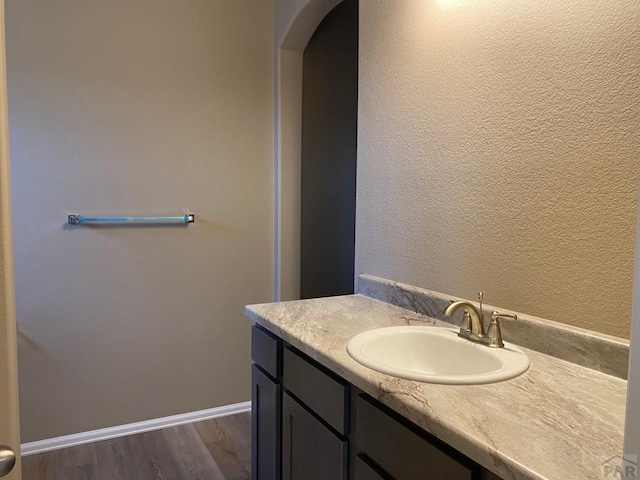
[(82, 438)]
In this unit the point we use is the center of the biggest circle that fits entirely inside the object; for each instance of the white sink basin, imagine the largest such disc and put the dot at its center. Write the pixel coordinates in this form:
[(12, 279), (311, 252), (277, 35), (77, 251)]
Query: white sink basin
[(435, 355)]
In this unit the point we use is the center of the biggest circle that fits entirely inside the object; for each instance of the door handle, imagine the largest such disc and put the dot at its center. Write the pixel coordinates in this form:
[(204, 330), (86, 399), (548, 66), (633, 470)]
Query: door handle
[(7, 460)]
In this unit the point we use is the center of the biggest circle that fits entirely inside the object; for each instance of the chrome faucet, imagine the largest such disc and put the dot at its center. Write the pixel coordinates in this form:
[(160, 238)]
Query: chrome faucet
[(472, 326)]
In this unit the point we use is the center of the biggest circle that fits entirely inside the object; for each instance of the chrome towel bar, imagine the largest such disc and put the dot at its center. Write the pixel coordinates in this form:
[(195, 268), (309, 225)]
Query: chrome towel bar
[(75, 219)]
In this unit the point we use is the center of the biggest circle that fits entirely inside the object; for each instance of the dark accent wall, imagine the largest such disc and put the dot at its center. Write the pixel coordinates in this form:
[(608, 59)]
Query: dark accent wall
[(329, 135)]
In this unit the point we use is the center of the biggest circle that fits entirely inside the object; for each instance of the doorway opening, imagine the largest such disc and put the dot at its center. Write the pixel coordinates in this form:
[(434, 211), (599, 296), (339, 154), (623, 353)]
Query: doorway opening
[(329, 146)]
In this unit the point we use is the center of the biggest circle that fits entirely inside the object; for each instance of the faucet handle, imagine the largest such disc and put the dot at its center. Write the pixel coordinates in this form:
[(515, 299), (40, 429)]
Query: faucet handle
[(494, 334), (504, 316)]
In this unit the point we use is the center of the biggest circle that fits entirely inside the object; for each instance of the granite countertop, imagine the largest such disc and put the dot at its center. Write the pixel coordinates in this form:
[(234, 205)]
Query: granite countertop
[(559, 420)]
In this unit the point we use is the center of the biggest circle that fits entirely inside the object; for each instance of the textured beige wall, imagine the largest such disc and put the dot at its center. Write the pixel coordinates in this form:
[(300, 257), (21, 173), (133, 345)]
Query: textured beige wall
[(145, 107), (9, 425), (498, 150)]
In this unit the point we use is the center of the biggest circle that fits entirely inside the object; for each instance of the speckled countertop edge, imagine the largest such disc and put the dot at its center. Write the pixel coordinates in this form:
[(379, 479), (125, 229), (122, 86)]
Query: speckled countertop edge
[(559, 420)]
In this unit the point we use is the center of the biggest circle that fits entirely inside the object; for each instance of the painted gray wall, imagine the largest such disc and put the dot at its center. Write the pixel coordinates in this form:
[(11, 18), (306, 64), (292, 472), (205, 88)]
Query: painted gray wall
[(9, 424), (632, 430), (146, 107)]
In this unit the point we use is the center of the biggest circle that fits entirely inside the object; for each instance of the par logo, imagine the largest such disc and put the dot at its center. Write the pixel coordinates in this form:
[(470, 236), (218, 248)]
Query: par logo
[(620, 467)]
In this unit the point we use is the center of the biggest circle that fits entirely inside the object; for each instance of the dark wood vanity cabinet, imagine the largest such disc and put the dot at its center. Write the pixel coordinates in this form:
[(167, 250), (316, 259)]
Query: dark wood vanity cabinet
[(310, 450), (266, 421), (310, 424), (300, 415), (395, 448), (266, 405)]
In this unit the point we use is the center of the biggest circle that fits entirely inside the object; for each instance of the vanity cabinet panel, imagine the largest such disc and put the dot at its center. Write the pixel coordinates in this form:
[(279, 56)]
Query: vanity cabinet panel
[(266, 351), (266, 422), (401, 450), (266, 405), (310, 424), (322, 391), (310, 450), (363, 471)]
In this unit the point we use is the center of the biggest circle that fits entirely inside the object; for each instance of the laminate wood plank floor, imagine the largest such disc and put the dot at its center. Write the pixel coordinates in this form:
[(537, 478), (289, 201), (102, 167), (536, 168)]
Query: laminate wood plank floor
[(218, 449)]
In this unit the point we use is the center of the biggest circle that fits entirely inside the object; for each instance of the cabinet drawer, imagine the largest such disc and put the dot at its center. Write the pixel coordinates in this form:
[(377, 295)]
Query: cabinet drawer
[(401, 451), (310, 451), (266, 351), (364, 471), (322, 391)]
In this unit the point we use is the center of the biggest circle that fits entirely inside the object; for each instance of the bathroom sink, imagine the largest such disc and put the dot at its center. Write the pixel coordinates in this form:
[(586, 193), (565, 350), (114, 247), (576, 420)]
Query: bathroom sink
[(435, 355)]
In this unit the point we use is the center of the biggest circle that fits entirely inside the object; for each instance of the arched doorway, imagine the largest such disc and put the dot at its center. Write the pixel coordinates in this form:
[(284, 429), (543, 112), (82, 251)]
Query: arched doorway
[(295, 22), (329, 141)]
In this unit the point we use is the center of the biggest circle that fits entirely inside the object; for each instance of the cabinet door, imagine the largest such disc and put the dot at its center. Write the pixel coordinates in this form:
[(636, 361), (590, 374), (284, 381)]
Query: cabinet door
[(402, 449), (310, 450), (266, 417), (362, 471)]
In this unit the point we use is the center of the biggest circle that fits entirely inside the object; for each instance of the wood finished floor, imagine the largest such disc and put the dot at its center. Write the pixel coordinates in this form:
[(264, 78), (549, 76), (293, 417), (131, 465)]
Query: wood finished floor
[(218, 449)]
